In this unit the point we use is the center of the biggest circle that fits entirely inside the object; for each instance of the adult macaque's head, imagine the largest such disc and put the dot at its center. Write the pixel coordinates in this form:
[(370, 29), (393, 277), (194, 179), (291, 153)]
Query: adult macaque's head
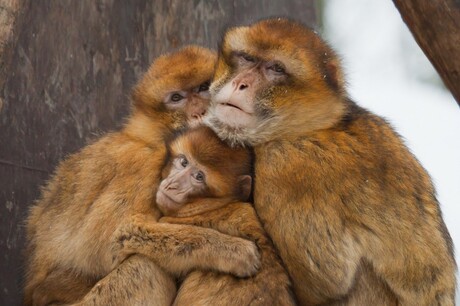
[(273, 79)]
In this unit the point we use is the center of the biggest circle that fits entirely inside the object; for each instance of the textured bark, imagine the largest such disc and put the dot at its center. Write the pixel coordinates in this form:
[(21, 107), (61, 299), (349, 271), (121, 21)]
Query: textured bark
[(66, 71), (9, 13), (436, 28)]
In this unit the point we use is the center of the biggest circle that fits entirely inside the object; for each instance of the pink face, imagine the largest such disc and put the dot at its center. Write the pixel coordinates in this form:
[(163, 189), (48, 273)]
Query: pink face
[(235, 102), (195, 102), (184, 180)]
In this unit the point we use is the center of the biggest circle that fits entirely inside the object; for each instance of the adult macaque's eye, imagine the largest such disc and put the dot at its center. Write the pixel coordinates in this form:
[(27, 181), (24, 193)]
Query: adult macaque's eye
[(183, 161), (199, 176), (248, 58), (204, 86), (278, 68), (176, 97), (244, 57)]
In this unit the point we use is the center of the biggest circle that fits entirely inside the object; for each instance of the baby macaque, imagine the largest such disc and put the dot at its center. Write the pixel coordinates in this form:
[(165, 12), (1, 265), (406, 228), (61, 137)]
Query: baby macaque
[(206, 183)]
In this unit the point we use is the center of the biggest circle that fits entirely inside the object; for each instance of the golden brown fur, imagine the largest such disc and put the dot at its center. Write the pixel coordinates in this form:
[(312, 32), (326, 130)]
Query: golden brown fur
[(69, 230), (351, 211), (270, 286), (219, 208)]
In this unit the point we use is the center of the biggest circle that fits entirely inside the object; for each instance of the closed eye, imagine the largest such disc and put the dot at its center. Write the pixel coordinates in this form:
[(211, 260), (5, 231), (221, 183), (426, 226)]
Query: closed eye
[(245, 57), (248, 58), (277, 68)]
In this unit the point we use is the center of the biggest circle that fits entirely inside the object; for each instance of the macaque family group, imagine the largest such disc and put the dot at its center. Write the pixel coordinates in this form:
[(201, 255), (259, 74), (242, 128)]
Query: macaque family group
[(159, 213)]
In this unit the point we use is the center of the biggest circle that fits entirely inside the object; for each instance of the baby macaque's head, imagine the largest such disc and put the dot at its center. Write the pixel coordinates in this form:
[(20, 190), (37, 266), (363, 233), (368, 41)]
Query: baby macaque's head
[(201, 166)]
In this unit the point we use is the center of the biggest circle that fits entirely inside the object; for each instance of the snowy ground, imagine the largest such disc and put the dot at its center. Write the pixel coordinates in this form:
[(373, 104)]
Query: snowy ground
[(389, 74)]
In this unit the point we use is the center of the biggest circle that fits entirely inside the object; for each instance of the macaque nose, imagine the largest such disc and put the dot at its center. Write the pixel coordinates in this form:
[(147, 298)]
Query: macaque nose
[(241, 85), (197, 108), (171, 185), (198, 114)]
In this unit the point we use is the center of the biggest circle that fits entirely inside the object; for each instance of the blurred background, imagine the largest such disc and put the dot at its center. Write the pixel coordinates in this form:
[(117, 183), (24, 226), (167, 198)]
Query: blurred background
[(67, 68)]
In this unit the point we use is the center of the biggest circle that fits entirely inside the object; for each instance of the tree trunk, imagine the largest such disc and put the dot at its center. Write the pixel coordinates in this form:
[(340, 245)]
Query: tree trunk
[(66, 71), (435, 25)]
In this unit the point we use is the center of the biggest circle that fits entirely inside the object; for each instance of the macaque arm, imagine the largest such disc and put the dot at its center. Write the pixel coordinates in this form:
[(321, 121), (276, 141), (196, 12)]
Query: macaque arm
[(180, 248), (235, 219)]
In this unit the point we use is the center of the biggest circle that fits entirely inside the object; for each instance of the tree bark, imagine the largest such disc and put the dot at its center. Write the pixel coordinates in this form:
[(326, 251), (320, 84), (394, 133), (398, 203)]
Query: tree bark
[(435, 25)]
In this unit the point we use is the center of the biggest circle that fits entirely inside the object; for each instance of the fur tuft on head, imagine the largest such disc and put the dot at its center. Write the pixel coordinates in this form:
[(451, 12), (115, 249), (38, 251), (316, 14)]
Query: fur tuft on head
[(287, 40)]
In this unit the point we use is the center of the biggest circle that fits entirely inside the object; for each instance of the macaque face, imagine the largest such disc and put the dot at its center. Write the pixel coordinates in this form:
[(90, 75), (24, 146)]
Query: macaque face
[(175, 89), (194, 102), (186, 179), (239, 103)]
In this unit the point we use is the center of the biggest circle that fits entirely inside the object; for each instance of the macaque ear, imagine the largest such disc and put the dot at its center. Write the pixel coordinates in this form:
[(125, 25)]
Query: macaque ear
[(245, 183), (334, 75)]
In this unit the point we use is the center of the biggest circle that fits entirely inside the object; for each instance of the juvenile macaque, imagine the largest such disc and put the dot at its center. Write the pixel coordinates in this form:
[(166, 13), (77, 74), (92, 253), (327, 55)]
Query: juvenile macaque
[(351, 211), (71, 228), (206, 183)]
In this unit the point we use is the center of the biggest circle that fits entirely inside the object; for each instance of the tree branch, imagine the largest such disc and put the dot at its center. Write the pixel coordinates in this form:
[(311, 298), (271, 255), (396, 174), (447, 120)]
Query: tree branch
[(435, 26)]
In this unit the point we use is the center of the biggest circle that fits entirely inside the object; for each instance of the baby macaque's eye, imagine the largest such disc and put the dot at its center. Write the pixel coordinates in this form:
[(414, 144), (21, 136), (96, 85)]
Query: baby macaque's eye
[(183, 161), (204, 86), (199, 176)]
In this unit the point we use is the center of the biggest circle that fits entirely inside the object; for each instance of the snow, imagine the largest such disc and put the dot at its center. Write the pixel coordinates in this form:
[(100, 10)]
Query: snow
[(389, 74)]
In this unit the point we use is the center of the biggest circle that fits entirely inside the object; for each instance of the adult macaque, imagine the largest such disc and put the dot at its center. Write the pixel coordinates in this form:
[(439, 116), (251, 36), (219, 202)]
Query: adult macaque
[(71, 228), (352, 213), (205, 183)]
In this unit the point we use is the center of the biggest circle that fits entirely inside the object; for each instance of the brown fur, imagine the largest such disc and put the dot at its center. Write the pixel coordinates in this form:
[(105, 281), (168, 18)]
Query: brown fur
[(270, 286), (351, 211), (69, 230), (222, 211)]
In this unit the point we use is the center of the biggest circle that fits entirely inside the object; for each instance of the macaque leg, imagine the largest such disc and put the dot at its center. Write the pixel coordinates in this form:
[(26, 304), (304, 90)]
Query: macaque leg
[(180, 248), (368, 289), (136, 281)]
